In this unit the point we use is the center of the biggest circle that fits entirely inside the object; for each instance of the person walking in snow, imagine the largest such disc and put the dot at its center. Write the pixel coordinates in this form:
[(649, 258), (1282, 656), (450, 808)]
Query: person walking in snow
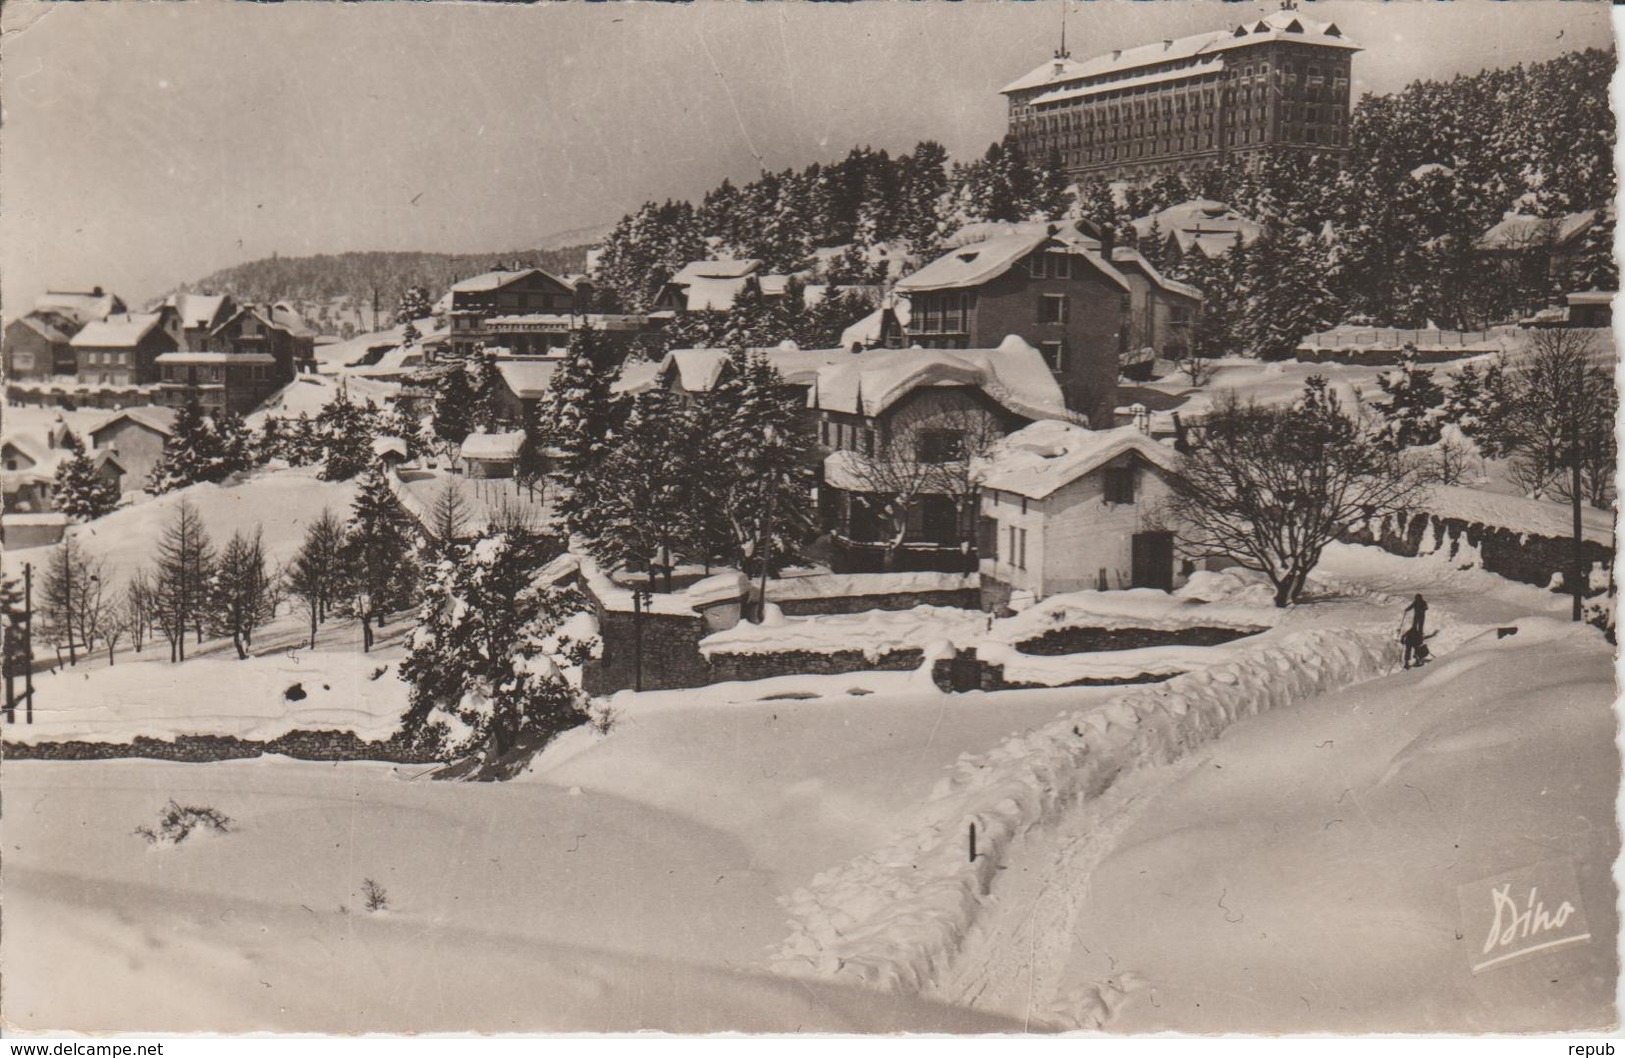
[(1414, 636)]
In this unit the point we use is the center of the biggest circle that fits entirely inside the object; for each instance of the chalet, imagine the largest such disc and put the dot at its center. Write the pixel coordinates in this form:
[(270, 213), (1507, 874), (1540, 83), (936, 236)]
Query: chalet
[(27, 474), (709, 286), (524, 383), (39, 345), (237, 382), (907, 422), (548, 333), (1200, 225), (1162, 315), (1057, 295), (123, 350), (200, 315), (1069, 509), (1591, 308), (275, 331), (503, 293), (136, 437), (1534, 254)]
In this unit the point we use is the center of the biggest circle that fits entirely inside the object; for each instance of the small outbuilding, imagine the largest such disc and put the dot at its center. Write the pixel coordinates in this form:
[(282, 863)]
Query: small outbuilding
[(492, 455), (1066, 509)]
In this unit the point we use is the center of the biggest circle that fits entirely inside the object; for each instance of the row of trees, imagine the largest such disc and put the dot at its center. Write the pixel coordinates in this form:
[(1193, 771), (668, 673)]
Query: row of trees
[(362, 569)]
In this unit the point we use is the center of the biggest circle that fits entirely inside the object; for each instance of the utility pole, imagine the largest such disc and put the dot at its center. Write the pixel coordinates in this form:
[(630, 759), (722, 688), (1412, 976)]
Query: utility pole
[(641, 599), (1578, 579)]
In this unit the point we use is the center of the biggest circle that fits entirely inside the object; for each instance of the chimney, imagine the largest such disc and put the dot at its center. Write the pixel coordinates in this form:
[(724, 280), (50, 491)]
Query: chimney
[(1117, 53), (1142, 417), (1182, 441), (96, 291), (1167, 43)]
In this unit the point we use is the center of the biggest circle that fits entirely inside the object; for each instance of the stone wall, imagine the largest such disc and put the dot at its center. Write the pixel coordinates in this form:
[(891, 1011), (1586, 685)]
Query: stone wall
[(1523, 557), (199, 749), (725, 667), (1090, 640)]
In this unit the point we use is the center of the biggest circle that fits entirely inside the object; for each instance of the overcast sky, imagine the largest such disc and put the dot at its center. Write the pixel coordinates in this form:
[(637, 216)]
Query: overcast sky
[(146, 144)]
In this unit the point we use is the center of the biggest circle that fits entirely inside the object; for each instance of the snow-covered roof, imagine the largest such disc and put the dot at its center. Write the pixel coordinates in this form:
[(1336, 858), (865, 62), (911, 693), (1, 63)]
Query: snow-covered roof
[(80, 306), (698, 370), (1427, 169), (154, 417), (1591, 297), (25, 449), (527, 378), (1135, 260), (385, 445), (1015, 375), (800, 367), (717, 295), (1040, 458), (1193, 220), (1517, 231), (216, 358), (284, 316), (717, 270), (1201, 68), (983, 230), (867, 331), (980, 262), (497, 446), (1279, 25), (116, 332), (197, 310), (496, 280), (46, 326), (637, 376)]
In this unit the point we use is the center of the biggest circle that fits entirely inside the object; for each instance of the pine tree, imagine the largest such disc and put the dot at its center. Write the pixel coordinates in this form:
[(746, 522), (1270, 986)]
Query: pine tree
[(242, 593), (345, 433), (644, 495), (190, 451), (377, 555), (1414, 410), (581, 419), (494, 660), (414, 305), (80, 493), (453, 414), (486, 384), (185, 565), (232, 446)]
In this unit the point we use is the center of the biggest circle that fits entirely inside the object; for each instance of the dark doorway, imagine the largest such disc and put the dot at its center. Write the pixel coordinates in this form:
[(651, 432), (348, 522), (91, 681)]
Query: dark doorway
[(1153, 561)]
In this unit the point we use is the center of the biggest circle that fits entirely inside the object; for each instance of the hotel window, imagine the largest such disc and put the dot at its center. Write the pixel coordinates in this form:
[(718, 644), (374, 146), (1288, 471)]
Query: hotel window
[(1017, 554), (1052, 308), (1038, 266), (1061, 265), (1054, 354)]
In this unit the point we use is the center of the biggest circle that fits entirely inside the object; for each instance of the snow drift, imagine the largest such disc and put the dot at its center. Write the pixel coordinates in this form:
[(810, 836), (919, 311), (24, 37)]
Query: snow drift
[(893, 918)]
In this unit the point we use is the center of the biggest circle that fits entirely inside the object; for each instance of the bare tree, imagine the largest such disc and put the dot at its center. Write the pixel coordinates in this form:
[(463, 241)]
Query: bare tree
[(243, 593), (135, 609), (316, 574), (72, 602), (181, 583), (897, 469), (1560, 409), (1270, 487)]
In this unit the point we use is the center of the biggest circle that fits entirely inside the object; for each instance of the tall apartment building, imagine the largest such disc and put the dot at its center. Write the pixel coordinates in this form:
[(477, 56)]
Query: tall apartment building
[(1207, 99)]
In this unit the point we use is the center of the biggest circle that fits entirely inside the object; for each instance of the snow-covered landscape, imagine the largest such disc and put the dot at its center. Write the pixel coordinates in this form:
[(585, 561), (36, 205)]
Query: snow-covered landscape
[(1067, 575)]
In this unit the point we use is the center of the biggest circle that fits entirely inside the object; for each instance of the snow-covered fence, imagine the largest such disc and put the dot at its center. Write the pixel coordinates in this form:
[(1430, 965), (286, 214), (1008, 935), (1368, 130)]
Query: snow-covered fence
[(1540, 552), (892, 919)]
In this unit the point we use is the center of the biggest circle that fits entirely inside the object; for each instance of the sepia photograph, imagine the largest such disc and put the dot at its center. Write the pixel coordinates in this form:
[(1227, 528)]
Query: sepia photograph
[(1072, 517)]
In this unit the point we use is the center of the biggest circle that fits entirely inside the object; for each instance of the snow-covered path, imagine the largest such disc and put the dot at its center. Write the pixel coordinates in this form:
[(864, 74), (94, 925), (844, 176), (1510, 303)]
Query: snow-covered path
[(1300, 874)]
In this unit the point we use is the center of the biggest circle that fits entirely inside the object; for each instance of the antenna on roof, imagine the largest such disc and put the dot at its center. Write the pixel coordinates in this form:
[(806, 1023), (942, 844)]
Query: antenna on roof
[(1061, 52)]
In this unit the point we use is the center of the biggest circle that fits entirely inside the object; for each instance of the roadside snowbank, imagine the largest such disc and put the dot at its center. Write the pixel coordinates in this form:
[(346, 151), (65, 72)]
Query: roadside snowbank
[(893, 918)]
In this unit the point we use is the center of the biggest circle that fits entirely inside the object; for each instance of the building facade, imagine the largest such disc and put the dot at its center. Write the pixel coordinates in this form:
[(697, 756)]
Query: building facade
[(1060, 297), (471, 303), (236, 382), (123, 350), (1279, 82)]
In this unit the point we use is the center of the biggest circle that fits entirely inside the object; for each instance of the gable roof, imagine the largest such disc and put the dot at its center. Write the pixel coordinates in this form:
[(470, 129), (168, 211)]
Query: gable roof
[(154, 417), (1278, 25), (712, 294), (717, 270), (698, 370), (1014, 375), (1135, 260), (198, 310), (498, 279), (981, 262), (527, 378), (1042, 457), (1197, 217), (1517, 231), (47, 325), (116, 332), (497, 446), (80, 306)]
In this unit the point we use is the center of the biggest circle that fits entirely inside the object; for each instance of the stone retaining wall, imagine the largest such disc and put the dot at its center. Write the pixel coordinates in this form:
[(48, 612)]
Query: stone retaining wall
[(200, 749), (1523, 557)]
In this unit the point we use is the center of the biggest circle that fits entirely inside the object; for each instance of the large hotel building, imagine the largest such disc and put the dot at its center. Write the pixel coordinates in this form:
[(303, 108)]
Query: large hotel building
[(1282, 81)]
